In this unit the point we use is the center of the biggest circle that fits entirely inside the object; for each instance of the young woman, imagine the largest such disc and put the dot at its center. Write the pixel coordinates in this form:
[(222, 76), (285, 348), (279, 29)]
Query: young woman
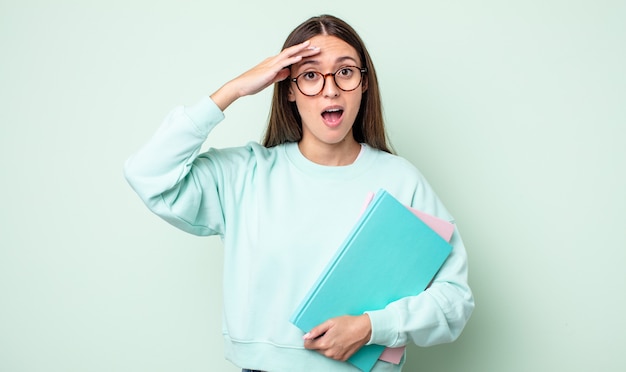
[(283, 208)]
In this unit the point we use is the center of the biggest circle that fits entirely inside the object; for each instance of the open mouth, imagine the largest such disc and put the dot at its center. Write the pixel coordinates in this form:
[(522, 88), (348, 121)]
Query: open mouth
[(332, 116)]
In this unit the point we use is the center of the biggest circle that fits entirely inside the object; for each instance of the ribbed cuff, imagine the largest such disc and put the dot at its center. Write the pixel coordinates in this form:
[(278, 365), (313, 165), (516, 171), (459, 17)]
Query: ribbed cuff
[(205, 114), (384, 327)]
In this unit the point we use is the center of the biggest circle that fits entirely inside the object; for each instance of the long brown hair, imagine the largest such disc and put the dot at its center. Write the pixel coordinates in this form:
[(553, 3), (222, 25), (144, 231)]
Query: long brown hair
[(285, 124)]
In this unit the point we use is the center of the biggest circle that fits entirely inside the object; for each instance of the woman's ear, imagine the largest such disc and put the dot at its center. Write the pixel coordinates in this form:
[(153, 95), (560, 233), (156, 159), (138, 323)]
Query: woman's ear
[(290, 94), (364, 84)]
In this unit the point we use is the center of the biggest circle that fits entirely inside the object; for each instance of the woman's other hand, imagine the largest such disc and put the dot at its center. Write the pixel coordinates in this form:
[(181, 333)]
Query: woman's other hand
[(339, 338)]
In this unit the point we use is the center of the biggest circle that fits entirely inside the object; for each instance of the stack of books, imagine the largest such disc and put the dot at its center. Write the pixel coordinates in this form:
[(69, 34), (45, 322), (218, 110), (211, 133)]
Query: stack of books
[(392, 252)]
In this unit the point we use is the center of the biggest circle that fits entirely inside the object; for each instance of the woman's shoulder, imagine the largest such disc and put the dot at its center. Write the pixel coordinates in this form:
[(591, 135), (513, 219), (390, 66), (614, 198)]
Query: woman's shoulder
[(251, 152), (394, 161)]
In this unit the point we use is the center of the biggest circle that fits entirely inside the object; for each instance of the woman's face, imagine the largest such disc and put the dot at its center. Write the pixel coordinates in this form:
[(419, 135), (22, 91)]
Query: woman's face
[(327, 118)]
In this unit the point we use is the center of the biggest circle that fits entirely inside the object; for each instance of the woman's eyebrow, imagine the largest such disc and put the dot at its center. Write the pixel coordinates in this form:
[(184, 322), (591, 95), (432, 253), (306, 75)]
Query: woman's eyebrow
[(309, 62), (315, 62), (342, 59)]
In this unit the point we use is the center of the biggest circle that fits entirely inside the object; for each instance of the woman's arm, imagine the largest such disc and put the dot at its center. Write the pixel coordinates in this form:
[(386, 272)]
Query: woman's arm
[(167, 173), (435, 316)]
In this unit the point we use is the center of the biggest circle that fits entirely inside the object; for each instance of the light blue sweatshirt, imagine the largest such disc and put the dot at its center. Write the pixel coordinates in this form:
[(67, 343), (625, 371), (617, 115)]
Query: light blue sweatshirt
[(281, 217)]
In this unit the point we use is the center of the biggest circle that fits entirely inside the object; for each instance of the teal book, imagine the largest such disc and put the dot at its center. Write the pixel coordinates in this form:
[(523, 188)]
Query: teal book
[(389, 254)]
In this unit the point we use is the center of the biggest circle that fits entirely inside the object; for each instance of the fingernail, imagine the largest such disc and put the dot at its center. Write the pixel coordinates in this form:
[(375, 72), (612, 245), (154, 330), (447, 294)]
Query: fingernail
[(306, 336)]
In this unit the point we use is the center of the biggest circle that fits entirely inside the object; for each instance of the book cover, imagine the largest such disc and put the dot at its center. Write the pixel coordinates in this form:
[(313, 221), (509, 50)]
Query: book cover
[(389, 254)]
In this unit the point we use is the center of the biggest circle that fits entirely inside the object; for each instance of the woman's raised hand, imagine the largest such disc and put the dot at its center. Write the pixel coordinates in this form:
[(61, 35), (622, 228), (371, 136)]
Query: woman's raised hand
[(266, 73)]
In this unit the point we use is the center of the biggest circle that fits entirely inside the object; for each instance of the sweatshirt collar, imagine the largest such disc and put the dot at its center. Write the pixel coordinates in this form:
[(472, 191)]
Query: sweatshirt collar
[(360, 165)]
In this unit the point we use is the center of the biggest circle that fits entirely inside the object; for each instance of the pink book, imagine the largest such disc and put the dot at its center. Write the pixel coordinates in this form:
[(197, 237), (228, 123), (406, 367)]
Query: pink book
[(445, 229)]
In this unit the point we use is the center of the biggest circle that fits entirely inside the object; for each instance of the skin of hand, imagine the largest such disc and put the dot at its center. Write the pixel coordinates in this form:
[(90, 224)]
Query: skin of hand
[(266, 73), (339, 338)]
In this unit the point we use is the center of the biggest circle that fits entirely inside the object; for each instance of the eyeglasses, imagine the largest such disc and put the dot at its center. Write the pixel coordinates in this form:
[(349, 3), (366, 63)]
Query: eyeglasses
[(347, 78)]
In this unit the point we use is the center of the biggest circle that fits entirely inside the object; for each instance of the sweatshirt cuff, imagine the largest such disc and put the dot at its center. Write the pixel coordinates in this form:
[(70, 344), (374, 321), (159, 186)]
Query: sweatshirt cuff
[(205, 115), (384, 327)]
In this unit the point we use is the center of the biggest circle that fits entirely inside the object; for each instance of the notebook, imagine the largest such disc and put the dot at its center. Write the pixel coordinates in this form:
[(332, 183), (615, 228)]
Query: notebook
[(389, 254)]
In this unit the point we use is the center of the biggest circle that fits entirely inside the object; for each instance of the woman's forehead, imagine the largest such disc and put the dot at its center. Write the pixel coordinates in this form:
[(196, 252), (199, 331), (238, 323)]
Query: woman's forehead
[(333, 51)]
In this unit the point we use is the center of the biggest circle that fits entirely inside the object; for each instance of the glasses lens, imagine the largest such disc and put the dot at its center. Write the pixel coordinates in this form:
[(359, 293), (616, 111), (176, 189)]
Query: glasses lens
[(310, 82), (348, 78)]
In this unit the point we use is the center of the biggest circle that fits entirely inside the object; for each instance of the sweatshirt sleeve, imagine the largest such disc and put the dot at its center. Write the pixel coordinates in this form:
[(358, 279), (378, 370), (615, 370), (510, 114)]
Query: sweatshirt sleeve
[(438, 314), (166, 172)]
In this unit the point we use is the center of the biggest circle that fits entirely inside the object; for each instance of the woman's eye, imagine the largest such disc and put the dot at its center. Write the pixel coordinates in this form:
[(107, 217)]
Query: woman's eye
[(345, 72), (309, 75)]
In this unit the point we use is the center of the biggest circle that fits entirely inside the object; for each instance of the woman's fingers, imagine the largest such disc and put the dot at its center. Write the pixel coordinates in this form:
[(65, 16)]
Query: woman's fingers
[(303, 50), (296, 53), (292, 55), (275, 68)]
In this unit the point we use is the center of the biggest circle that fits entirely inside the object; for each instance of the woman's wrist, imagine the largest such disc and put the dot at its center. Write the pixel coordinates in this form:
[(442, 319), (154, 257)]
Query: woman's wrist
[(225, 96)]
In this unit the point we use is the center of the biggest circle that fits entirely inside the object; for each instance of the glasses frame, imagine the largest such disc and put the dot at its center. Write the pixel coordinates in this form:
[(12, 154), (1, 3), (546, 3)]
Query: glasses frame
[(363, 71)]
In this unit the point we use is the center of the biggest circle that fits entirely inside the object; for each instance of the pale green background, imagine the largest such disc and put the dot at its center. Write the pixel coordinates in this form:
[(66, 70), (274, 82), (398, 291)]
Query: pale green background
[(514, 110)]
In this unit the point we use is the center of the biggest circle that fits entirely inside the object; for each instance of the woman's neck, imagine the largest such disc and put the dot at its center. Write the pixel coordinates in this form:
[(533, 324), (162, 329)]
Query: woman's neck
[(338, 154)]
